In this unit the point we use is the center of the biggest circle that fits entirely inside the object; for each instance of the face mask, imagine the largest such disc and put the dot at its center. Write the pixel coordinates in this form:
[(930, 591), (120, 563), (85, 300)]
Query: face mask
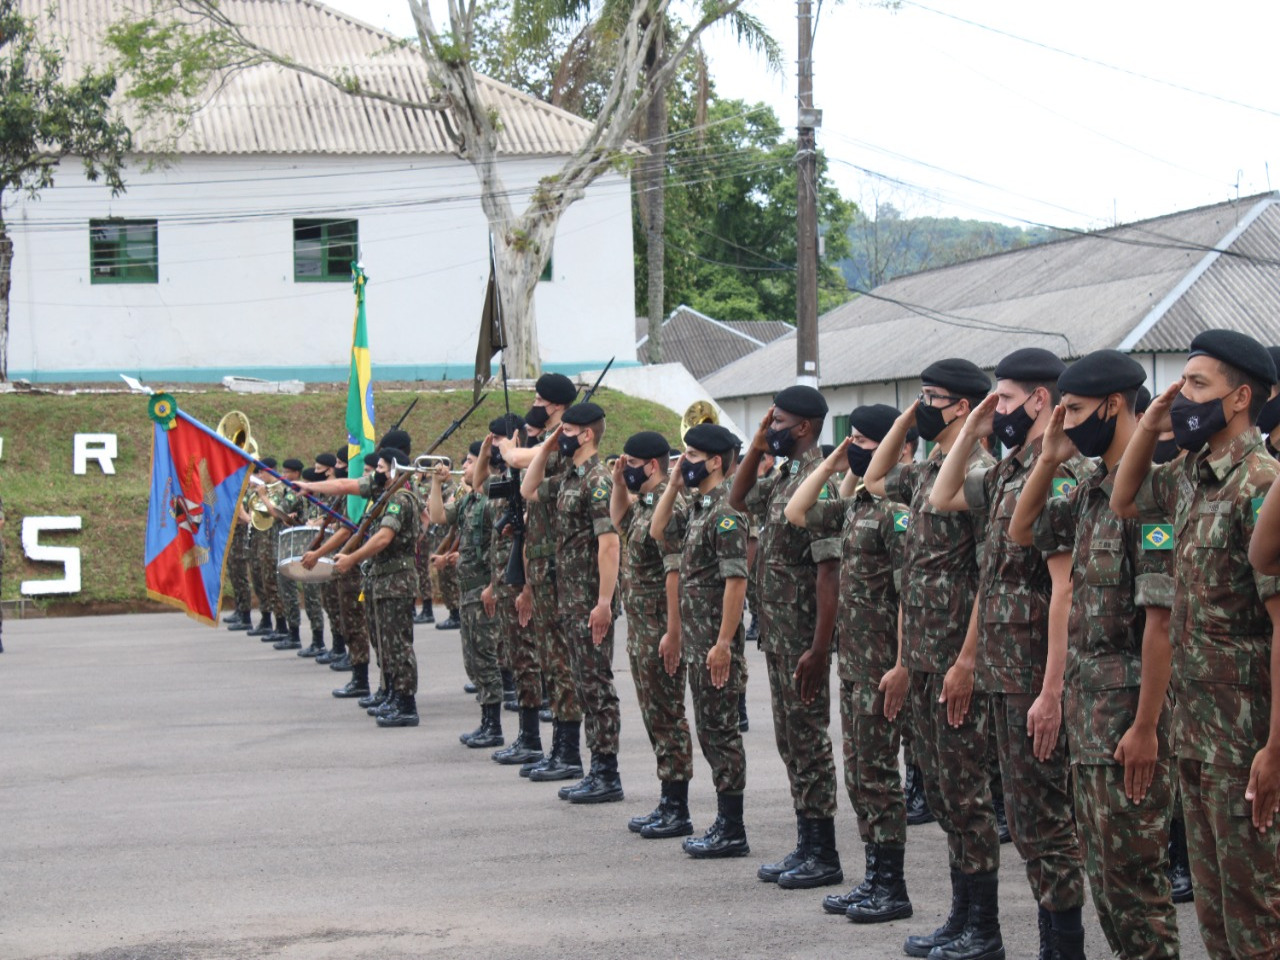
[(1093, 436), (536, 417), (1165, 451), (1011, 428), (930, 422), (780, 441), (379, 481), (1269, 418), (694, 473), (859, 459), (634, 478), (1195, 423), (568, 445)]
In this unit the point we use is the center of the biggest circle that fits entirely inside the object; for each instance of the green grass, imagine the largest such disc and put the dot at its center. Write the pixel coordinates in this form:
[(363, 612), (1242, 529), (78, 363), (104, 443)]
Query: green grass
[(36, 477)]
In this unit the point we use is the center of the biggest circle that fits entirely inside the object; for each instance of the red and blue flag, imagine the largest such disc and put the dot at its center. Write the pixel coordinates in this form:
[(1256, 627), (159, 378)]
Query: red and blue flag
[(197, 483)]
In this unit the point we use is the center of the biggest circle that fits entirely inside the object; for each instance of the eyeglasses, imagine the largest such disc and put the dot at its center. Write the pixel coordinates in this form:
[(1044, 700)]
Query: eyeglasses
[(931, 399)]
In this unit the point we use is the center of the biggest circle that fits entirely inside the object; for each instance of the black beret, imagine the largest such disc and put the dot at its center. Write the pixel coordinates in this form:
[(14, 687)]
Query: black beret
[(1030, 365), (1236, 350), (310, 475), (326, 459), (581, 414), (474, 449), (398, 439), (393, 455), (293, 463), (710, 438), (1101, 373), (340, 455), (1142, 401), (268, 462), (1275, 358), (827, 449), (912, 435), (962, 377), (371, 459), (556, 388), (506, 425), (646, 445), (874, 420), (802, 401), (536, 417)]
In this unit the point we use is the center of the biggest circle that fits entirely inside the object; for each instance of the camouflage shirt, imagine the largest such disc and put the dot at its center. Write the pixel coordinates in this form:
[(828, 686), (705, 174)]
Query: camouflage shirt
[(1219, 626), (292, 504), (714, 550), (645, 561), (582, 495), (941, 554), (872, 533), (540, 526), (472, 514), (391, 571), (787, 562), (1115, 574), (1014, 587)]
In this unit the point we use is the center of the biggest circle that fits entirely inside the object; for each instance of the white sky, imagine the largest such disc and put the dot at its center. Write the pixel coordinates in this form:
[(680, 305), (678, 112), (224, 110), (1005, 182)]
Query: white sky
[(981, 125)]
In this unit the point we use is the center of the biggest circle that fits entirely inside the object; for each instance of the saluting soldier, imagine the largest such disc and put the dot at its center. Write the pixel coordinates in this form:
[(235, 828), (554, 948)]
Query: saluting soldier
[(1225, 617)]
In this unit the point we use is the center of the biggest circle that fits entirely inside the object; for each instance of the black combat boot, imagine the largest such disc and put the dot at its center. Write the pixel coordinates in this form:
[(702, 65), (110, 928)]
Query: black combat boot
[(489, 733), (264, 627), (341, 663), (567, 764), (952, 927), (606, 787), (1044, 926), (403, 714), (526, 769), (743, 723), (317, 643), (453, 623), (374, 700), (726, 837), (387, 705), (527, 746), (821, 865), (643, 820), (235, 616), (292, 640), (281, 631), (918, 811), (424, 615), (357, 686), (888, 897), (839, 903), (509, 701), (241, 621), (338, 649), (674, 819), (1066, 941), (770, 872), (1179, 864), (1002, 819), (980, 939)]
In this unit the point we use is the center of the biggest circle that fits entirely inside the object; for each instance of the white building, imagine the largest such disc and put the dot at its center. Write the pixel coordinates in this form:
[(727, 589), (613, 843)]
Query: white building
[(235, 259)]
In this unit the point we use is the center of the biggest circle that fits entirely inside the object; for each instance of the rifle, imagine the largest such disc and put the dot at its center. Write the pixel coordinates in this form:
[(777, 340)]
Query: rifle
[(404, 416), (596, 386)]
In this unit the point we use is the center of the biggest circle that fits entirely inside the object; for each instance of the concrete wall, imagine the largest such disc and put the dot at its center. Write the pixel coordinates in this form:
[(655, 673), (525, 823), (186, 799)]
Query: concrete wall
[(227, 302)]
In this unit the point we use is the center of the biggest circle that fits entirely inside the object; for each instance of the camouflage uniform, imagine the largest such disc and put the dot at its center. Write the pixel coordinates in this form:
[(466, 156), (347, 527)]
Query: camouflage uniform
[(714, 550), (517, 645), (432, 541), (291, 504), (390, 587), (311, 592), (1013, 641), (473, 516), (1222, 638), (867, 648), (266, 582), (582, 495), (1114, 577), (787, 585), (540, 575), (643, 579), (939, 584), (238, 569)]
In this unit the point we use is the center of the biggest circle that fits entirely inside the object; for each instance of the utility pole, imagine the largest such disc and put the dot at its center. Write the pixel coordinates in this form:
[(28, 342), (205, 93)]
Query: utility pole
[(807, 121)]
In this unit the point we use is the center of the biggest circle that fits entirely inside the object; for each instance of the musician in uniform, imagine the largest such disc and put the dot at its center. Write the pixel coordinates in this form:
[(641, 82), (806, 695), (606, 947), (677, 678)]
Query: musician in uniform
[(263, 544)]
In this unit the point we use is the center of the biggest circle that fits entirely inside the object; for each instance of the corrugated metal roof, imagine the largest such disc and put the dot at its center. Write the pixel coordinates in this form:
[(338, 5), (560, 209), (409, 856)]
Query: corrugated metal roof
[(1071, 296), (273, 110), (703, 344)]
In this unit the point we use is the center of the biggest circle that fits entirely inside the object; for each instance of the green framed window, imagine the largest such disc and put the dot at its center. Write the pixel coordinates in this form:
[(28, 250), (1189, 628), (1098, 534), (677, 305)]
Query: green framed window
[(123, 251), (839, 428), (323, 250)]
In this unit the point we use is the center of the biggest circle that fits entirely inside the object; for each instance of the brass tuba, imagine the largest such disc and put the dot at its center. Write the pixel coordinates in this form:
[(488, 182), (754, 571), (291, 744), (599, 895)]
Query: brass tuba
[(700, 411), (235, 427)]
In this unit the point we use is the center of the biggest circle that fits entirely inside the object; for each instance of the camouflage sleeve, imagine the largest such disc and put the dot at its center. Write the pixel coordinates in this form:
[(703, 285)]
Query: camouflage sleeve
[(1153, 570), (826, 518), (900, 482), (758, 496), (451, 512), (624, 528), (365, 485), (673, 536), (398, 512), (1054, 531), (823, 549), (1157, 497), (599, 489), (1266, 586), (731, 544), (977, 488)]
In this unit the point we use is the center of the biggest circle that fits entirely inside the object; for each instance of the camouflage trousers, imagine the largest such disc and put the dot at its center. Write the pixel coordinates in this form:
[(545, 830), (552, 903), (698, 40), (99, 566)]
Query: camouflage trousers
[(956, 782), (871, 774), (522, 649), (1235, 869), (422, 565), (800, 730), (238, 570), (1038, 805), (329, 602), (311, 603), (592, 666), (449, 595), (715, 713), (553, 654), (480, 651), (352, 622), (660, 695), (266, 584), (288, 607), (393, 629), (1126, 853)]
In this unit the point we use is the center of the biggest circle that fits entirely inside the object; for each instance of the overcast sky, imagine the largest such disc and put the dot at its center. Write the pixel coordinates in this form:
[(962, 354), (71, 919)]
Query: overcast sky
[(1072, 114)]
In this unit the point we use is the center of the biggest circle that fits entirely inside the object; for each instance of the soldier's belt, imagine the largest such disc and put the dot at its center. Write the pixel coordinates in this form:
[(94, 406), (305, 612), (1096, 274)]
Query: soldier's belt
[(388, 567), (473, 583), (539, 551)]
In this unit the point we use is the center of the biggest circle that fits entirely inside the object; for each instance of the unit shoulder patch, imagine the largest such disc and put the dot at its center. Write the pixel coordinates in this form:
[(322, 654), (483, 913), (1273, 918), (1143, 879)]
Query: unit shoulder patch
[(726, 524), (1157, 536)]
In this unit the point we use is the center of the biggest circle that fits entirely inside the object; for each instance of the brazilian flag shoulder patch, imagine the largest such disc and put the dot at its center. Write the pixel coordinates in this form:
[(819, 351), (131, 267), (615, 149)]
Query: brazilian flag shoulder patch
[(825, 493), (393, 508), (600, 492), (1063, 486), (726, 524), (1157, 536), (1257, 506), (901, 519)]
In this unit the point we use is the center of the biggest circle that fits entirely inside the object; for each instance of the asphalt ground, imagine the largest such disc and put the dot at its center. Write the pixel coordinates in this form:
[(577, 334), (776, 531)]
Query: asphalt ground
[(174, 792)]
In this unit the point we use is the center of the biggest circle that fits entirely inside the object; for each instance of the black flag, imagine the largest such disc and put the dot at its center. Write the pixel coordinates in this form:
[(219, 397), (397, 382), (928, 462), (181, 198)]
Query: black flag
[(492, 336)]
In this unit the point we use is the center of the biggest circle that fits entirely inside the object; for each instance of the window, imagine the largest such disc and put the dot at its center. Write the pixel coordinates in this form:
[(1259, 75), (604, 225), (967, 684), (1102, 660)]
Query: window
[(839, 428), (123, 251), (323, 250)]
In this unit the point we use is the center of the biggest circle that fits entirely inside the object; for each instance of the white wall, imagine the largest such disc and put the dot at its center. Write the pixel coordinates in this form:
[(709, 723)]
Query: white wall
[(226, 301)]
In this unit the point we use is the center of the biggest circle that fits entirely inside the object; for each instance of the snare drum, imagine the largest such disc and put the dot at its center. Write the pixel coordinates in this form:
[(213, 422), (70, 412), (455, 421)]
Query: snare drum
[(293, 543)]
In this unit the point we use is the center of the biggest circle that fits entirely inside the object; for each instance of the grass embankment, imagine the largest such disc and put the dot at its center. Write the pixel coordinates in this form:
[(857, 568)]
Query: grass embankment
[(36, 476)]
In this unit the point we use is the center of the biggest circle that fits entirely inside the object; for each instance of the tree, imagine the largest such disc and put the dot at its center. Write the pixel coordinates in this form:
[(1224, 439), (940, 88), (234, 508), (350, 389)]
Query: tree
[(42, 121), (177, 52)]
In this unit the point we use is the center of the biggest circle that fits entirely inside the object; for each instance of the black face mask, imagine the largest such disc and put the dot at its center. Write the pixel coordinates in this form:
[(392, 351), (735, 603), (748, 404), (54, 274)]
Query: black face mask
[(1092, 437), (1195, 423), (780, 441), (930, 422), (1165, 451), (340, 473), (1011, 428), (634, 478), (568, 445), (694, 473), (859, 459), (1269, 418), (536, 417), (379, 481)]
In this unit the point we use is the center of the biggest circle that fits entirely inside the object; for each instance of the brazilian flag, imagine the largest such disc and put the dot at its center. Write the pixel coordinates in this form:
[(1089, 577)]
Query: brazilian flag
[(360, 435)]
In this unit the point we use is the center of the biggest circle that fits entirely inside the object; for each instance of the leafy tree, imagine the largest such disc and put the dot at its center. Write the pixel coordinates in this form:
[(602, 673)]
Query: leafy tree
[(43, 119)]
